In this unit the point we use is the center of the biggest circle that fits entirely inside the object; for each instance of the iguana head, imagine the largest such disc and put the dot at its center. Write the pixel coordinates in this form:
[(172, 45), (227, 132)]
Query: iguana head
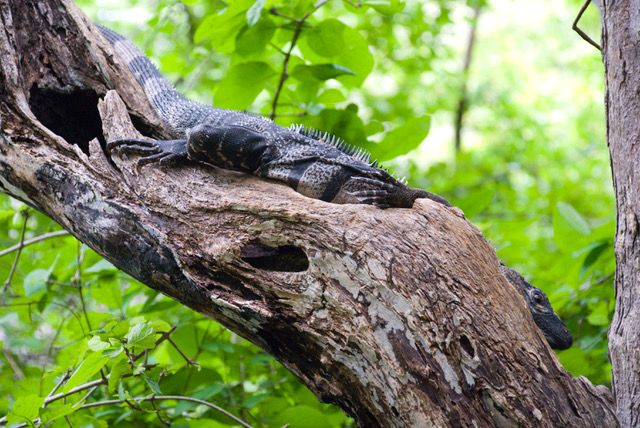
[(552, 327)]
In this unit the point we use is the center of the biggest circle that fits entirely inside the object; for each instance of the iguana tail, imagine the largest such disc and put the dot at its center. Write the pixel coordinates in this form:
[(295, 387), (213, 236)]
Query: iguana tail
[(177, 111)]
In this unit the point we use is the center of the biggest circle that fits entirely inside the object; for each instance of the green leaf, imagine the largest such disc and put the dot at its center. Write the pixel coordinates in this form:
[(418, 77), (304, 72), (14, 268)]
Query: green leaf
[(142, 336), (242, 84), (221, 28), (331, 96), (253, 14), (101, 266), (55, 411), (326, 39), (96, 344), (319, 72), (373, 127), (36, 281), (251, 402), (116, 372), (122, 394), (593, 256), (301, 417), (159, 325), (89, 367), (108, 292), (121, 329), (218, 346), (404, 138), (112, 353), (25, 409), (252, 41), (573, 218), (353, 53), (476, 202), (386, 7), (154, 385), (599, 315)]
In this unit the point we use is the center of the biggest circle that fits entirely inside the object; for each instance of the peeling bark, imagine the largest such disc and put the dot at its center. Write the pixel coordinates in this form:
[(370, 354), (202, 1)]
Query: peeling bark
[(401, 317), (621, 26)]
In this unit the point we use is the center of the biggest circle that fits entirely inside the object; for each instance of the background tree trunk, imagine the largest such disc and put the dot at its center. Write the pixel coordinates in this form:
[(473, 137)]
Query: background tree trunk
[(621, 44), (400, 316)]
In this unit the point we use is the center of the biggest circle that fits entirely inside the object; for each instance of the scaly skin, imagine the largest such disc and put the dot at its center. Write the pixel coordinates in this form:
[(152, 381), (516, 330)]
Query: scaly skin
[(552, 327)]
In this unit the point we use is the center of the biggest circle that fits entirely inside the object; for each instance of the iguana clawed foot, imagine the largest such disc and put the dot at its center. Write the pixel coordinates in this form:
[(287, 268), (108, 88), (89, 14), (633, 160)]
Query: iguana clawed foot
[(165, 152)]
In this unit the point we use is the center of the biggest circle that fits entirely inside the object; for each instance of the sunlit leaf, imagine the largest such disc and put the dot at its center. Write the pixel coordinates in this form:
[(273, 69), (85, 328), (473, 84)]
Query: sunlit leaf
[(301, 417), (55, 410), (141, 336), (320, 71), (25, 409), (574, 218), (326, 38), (253, 14), (89, 367), (242, 84), (36, 281), (404, 138), (476, 202)]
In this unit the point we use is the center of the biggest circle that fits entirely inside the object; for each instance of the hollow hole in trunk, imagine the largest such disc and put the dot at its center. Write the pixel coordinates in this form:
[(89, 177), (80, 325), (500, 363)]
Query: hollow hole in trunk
[(466, 344), (71, 114), (285, 258)]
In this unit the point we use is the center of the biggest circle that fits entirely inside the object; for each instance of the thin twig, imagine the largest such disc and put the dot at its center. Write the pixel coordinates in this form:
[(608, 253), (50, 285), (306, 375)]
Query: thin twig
[(170, 397), (582, 33), (462, 104), (33, 241), (285, 65), (64, 377), (87, 395), (165, 336), (273, 11), (163, 421), (25, 213), (356, 5), (78, 388), (187, 359), (14, 366)]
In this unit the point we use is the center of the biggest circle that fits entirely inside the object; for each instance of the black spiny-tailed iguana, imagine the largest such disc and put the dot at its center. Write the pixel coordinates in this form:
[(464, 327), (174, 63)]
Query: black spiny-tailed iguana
[(316, 165), (552, 327)]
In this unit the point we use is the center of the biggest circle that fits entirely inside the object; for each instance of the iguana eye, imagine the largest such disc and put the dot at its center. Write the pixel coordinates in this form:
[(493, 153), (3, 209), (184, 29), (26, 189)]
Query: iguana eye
[(537, 297)]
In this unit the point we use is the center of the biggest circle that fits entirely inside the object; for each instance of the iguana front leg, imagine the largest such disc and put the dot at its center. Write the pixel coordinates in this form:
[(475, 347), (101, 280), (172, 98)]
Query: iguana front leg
[(165, 152)]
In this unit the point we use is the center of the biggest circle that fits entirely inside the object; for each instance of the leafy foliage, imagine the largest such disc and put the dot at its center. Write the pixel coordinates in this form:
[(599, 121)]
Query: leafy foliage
[(533, 175)]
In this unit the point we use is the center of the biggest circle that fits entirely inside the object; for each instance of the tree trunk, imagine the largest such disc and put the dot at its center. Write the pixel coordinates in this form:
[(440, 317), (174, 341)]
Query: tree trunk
[(621, 44), (400, 316)]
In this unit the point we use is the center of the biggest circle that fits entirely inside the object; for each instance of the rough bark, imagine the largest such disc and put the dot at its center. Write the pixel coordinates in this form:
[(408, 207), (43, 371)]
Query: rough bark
[(621, 44), (400, 316)]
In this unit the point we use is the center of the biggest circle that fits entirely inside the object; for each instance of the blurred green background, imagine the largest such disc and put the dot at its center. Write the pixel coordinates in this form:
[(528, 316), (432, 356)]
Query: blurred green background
[(532, 171)]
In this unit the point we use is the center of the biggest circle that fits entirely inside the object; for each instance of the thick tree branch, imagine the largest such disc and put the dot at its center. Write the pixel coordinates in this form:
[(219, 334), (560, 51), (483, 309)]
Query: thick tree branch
[(400, 316), (620, 43)]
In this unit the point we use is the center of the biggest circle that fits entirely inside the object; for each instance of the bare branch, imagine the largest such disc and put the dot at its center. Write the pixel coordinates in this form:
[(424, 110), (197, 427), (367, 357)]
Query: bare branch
[(38, 238), (582, 33)]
